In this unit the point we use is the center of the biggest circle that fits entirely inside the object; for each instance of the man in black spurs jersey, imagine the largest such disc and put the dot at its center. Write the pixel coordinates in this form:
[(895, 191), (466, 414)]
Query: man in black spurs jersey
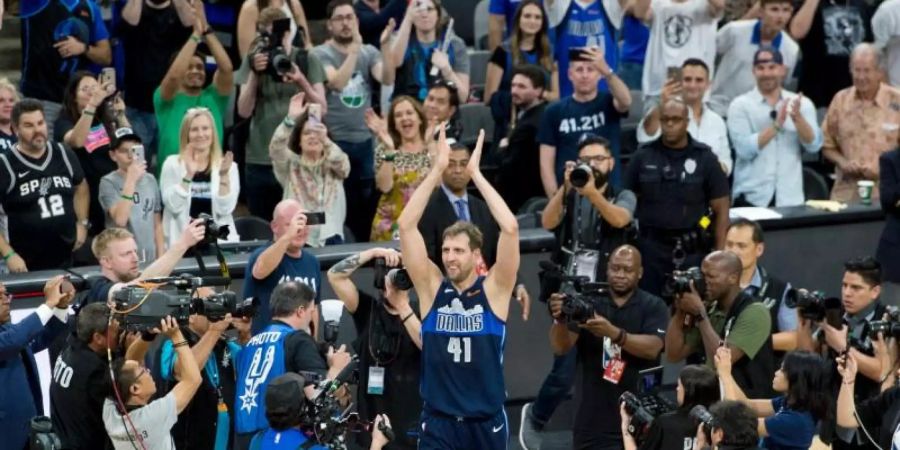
[(43, 191)]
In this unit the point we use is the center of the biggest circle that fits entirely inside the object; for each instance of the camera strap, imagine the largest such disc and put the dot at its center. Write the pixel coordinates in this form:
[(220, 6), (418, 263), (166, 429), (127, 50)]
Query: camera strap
[(220, 257)]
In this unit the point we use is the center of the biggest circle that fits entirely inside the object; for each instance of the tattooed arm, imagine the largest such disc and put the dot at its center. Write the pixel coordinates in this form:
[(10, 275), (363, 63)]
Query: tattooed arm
[(339, 274)]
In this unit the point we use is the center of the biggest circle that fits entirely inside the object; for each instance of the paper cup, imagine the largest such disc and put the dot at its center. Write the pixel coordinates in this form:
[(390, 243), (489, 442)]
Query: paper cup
[(865, 188)]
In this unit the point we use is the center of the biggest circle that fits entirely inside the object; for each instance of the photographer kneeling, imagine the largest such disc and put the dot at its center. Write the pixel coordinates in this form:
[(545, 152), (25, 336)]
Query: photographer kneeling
[(286, 412), (789, 420), (131, 419), (388, 343), (697, 385), (621, 336), (728, 425)]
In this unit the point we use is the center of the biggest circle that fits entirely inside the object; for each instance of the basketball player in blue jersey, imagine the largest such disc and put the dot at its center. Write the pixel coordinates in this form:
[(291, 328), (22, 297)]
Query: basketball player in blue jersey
[(463, 317)]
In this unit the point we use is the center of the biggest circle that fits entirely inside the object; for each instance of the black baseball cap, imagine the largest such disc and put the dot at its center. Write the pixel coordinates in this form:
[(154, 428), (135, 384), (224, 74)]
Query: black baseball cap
[(284, 395), (766, 54), (123, 134)]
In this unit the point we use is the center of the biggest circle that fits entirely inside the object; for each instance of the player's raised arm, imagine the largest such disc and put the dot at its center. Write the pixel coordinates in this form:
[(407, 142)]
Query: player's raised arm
[(425, 275), (502, 278)]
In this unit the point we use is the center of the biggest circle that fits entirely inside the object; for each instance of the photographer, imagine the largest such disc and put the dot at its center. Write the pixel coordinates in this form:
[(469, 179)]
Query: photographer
[(130, 417), (590, 218), (272, 73), (697, 385), (22, 398), (789, 420), (81, 381), (116, 251), (745, 239), (860, 289), (283, 346), (623, 337), (388, 344), (285, 411), (732, 427), (878, 417), (743, 322), (199, 426)]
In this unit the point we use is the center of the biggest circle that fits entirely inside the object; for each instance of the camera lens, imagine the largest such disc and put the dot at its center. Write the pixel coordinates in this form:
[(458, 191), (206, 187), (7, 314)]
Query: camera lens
[(580, 175)]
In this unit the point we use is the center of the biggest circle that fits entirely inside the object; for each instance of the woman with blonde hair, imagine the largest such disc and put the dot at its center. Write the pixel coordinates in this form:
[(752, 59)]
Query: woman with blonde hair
[(402, 161), (311, 169), (199, 179)]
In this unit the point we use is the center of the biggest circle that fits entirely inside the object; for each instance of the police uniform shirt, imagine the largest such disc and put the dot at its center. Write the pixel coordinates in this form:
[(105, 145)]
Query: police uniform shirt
[(674, 187), (38, 196), (77, 390), (597, 420)]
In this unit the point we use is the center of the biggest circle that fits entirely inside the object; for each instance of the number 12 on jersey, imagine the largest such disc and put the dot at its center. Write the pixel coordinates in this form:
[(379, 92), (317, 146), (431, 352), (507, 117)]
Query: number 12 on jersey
[(461, 349)]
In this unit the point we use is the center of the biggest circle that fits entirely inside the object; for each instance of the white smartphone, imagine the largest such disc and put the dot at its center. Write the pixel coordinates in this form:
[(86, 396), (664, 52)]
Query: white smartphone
[(137, 152)]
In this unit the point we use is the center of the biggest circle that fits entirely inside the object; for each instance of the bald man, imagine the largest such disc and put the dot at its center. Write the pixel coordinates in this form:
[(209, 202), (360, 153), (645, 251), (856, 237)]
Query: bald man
[(624, 337), (721, 313), (677, 180), (282, 260)]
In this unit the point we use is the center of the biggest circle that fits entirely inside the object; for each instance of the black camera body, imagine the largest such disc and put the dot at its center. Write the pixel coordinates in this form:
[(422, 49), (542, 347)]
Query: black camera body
[(889, 327), (399, 276), (680, 281), (702, 415), (139, 308), (212, 231), (582, 299), (42, 436), (271, 45), (641, 417), (813, 305)]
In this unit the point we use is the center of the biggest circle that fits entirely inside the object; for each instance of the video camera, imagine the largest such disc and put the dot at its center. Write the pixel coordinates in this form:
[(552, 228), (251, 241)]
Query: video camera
[(399, 276), (328, 420), (271, 45), (889, 327), (142, 307), (581, 297), (813, 305)]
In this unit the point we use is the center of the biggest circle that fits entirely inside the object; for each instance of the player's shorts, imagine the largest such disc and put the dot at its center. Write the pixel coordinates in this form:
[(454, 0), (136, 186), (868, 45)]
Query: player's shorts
[(444, 432)]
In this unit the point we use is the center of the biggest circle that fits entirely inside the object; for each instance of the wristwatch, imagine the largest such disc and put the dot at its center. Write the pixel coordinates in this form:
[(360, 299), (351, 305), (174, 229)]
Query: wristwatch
[(389, 157), (85, 223)]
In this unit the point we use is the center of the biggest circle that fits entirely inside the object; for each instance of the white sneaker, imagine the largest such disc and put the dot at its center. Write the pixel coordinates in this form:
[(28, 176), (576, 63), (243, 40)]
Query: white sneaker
[(529, 436)]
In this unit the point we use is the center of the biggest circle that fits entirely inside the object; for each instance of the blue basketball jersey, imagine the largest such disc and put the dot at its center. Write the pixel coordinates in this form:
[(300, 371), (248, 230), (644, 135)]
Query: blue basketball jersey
[(261, 361), (462, 354), (584, 27)]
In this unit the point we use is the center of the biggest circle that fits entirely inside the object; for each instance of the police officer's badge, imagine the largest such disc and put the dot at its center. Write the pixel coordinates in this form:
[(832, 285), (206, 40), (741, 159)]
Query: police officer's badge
[(690, 166)]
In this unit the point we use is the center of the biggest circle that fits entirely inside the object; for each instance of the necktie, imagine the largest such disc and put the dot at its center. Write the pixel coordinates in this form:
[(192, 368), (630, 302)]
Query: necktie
[(461, 212)]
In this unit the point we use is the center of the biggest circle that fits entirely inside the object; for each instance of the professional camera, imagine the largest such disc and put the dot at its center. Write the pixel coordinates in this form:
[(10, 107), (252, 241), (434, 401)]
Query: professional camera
[(270, 44), (889, 327), (141, 307), (212, 231), (582, 173), (640, 416), (582, 299), (42, 436), (680, 281), (813, 305), (702, 415), (399, 277)]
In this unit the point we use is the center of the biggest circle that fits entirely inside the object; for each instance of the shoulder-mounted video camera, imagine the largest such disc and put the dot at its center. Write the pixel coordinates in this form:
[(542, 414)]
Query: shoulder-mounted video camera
[(141, 307), (581, 297)]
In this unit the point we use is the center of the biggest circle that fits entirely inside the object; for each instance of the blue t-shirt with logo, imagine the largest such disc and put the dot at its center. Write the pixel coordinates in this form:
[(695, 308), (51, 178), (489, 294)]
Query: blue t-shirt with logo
[(304, 269), (584, 27), (566, 121)]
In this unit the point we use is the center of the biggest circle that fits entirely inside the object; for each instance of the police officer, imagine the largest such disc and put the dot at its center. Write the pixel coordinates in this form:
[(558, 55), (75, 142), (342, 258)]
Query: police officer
[(80, 382), (677, 181)]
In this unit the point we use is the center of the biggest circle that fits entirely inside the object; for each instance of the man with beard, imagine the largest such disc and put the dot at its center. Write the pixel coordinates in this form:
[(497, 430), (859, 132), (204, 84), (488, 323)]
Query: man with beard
[(624, 336), (351, 72), (676, 180), (593, 222), (183, 87), (519, 152), (464, 317), (771, 128), (44, 195)]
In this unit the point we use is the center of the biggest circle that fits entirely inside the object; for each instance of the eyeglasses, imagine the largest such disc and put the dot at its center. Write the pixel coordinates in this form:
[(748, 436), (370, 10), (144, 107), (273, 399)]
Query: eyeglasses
[(596, 158), (143, 371)]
